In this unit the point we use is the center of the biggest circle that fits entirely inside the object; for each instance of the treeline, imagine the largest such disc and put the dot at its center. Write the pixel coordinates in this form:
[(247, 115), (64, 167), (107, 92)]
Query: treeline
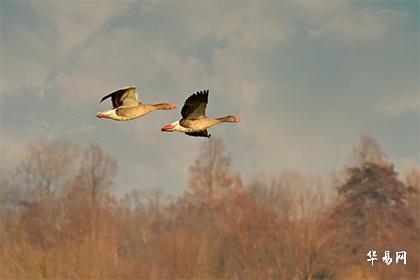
[(59, 220)]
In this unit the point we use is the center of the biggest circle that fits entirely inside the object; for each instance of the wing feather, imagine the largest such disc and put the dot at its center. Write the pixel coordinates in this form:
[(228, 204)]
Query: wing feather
[(126, 97), (195, 106)]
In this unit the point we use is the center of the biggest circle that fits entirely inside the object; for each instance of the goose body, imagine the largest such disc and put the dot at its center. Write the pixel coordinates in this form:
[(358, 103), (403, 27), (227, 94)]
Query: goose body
[(127, 106), (194, 121)]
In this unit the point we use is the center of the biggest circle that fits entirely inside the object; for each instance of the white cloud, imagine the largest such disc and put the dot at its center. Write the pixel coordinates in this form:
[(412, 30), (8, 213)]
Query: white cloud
[(22, 67), (358, 24), (316, 10), (29, 59), (236, 75), (400, 104), (148, 58), (246, 26), (81, 71), (139, 59), (74, 22)]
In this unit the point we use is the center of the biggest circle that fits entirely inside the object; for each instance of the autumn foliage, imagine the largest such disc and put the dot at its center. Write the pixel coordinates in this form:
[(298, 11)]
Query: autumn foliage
[(60, 220)]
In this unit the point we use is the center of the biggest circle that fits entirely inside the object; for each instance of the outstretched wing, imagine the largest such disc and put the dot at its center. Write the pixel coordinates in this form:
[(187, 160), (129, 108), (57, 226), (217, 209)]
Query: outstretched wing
[(126, 97), (195, 106), (202, 133)]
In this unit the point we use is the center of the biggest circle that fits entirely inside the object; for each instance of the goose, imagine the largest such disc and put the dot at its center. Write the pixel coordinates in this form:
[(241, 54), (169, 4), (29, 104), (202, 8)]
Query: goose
[(127, 106), (194, 121)]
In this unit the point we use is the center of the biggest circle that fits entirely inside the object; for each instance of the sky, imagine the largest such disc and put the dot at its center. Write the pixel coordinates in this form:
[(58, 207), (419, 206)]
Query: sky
[(307, 78)]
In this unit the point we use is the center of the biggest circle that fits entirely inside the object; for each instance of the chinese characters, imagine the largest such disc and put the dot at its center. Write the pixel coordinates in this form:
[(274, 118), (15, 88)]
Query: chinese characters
[(400, 256)]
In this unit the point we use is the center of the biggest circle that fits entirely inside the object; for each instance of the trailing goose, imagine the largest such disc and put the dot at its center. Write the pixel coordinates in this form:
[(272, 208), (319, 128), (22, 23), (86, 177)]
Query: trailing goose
[(194, 121), (127, 106)]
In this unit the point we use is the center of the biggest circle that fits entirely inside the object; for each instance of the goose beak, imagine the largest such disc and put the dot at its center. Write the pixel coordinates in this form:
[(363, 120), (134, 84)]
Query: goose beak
[(238, 120), (172, 107), (167, 128)]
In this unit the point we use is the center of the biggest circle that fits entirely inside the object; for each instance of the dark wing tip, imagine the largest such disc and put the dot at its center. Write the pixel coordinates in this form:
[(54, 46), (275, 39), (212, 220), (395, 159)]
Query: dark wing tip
[(201, 96), (204, 94), (105, 97)]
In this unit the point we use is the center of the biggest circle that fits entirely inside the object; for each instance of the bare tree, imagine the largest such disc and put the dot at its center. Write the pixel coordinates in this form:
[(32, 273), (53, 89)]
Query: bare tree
[(47, 164), (277, 193), (43, 172), (211, 174), (97, 171)]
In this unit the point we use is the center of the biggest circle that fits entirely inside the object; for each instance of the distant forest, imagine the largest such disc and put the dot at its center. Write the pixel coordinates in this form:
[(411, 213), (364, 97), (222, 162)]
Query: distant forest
[(59, 219)]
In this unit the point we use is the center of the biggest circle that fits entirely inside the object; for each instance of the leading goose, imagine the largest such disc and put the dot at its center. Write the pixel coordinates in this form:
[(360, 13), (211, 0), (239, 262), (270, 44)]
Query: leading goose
[(127, 106), (194, 121)]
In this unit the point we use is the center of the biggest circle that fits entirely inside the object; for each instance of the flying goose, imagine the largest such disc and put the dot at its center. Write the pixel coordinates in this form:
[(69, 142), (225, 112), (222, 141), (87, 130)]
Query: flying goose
[(127, 106), (194, 121)]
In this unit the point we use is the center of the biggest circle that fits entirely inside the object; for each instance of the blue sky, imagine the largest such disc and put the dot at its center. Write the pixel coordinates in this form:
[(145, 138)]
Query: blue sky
[(307, 78)]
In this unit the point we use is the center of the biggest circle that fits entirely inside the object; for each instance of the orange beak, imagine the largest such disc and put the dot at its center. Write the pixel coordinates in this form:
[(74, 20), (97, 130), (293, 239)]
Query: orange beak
[(172, 107), (167, 128)]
